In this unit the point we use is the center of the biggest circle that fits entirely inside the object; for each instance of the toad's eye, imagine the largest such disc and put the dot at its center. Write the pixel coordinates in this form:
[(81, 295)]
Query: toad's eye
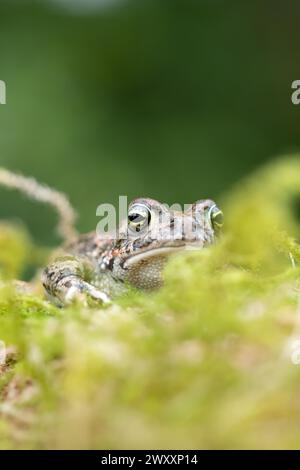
[(139, 217), (216, 217)]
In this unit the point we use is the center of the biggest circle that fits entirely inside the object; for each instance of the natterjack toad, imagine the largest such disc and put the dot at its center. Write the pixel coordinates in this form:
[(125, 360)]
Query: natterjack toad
[(101, 269)]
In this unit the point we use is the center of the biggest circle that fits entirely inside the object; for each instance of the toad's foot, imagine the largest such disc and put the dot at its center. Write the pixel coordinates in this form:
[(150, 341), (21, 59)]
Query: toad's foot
[(81, 291), (65, 281)]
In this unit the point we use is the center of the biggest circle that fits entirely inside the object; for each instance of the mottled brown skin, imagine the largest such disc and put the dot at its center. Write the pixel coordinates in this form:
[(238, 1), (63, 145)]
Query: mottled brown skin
[(100, 269)]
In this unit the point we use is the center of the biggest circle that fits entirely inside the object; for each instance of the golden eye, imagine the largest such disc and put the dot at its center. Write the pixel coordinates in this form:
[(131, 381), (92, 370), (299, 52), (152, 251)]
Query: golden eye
[(216, 217), (139, 217)]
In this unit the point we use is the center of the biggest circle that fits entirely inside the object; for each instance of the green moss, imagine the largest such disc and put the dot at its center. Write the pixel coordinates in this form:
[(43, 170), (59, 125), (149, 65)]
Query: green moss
[(14, 251), (207, 362)]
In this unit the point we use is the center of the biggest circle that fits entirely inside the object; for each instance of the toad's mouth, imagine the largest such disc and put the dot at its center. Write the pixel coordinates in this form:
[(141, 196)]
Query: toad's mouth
[(162, 251)]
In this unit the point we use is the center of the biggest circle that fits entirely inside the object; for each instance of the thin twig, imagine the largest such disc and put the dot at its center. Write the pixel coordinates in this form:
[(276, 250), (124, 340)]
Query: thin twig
[(42, 193)]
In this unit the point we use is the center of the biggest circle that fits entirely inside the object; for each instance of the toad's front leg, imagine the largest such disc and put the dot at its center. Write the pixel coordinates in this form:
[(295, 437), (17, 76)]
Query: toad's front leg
[(66, 279)]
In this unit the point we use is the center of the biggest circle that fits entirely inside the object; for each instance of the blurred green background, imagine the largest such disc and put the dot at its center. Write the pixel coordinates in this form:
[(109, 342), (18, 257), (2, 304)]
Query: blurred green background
[(173, 99)]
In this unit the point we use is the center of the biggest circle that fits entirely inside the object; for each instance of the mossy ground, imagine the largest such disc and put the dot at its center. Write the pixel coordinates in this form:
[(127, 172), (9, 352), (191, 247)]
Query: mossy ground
[(209, 361)]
